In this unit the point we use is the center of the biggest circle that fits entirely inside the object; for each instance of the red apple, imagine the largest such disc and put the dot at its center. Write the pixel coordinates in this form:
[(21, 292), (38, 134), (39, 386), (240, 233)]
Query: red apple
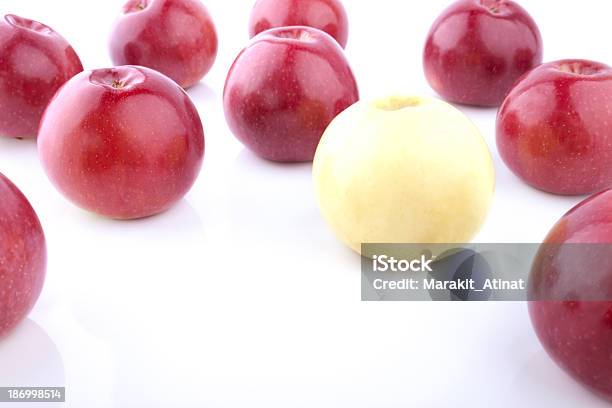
[(326, 15), (554, 130), (23, 257), (175, 37), (284, 89), (124, 142), (477, 49), (571, 273), (34, 62)]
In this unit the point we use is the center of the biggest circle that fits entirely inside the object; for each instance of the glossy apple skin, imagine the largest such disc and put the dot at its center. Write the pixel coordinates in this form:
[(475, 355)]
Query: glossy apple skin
[(477, 49), (125, 142), (34, 62), (554, 130), (23, 257), (577, 334), (175, 37), (284, 89), (325, 15)]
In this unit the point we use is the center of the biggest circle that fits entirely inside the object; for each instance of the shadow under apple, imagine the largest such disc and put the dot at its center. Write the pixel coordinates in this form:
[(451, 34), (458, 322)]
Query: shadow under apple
[(202, 92), (541, 383), (274, 197)]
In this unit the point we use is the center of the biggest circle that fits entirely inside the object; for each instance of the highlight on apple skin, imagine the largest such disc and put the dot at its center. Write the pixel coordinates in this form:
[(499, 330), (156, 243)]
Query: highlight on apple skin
[(284, 89), (325, 15), (577, 334), (175, 37), (125, 142), (477, 49), (23, 257), (35, 61), (403, 169), (554, 130)]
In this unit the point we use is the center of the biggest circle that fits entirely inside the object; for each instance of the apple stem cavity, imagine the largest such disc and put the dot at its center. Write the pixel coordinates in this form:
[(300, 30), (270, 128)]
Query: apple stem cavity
[(28, 24), (578, 68), (296, 33), (494, 6), (396, 103), (135, 6), (118, 78)]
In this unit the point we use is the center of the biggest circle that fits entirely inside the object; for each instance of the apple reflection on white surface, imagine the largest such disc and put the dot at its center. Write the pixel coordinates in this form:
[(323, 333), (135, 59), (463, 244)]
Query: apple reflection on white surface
[(29, 358)]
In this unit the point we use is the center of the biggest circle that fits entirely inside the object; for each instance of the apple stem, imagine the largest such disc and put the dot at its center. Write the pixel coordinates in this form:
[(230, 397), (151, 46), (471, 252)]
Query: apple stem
[(117, 84)]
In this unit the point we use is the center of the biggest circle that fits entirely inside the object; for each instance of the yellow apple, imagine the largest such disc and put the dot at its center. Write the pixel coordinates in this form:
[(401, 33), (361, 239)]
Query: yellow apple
[(403, 169)]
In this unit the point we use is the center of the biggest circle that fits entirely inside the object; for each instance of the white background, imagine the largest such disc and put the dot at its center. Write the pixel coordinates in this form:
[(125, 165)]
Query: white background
[(240, 296)]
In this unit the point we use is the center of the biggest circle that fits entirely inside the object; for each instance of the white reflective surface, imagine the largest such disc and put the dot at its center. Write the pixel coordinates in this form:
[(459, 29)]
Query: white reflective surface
[(240, 295)]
